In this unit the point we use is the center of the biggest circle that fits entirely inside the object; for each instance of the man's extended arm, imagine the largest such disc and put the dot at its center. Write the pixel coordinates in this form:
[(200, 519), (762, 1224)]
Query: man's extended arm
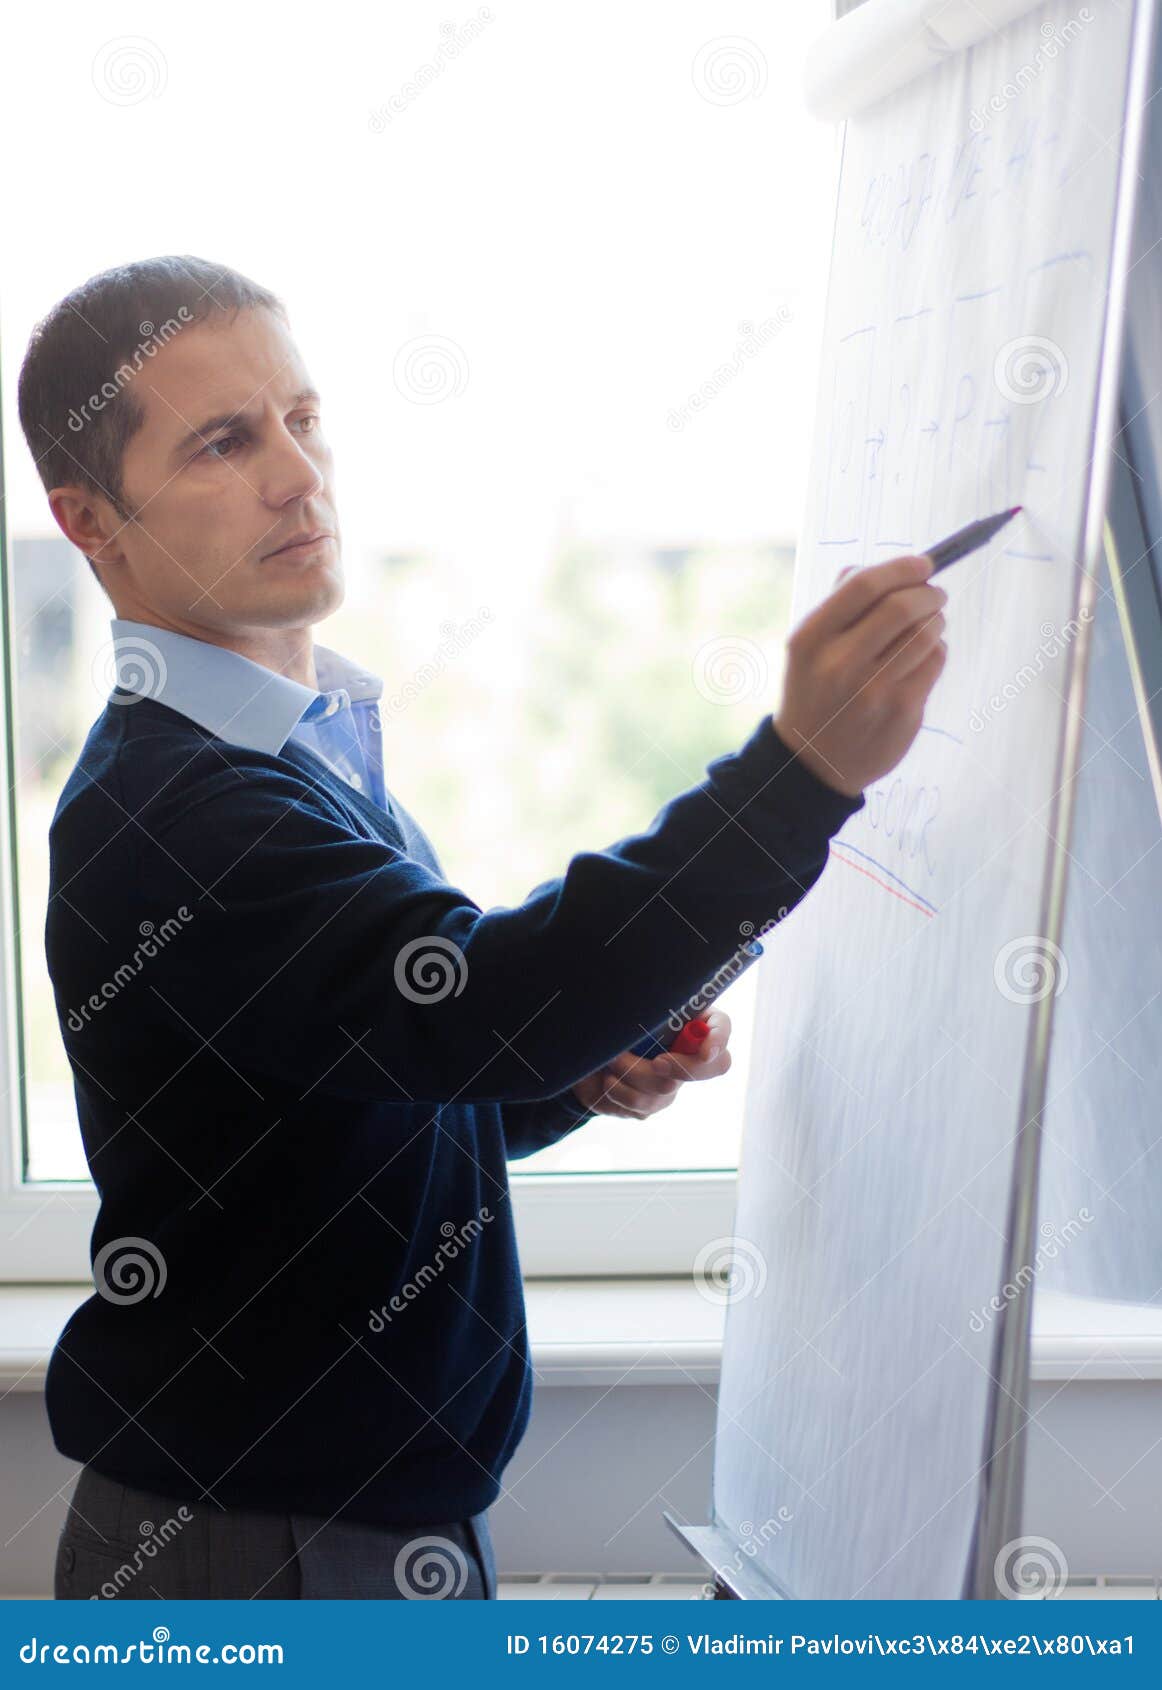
[(323, 957)]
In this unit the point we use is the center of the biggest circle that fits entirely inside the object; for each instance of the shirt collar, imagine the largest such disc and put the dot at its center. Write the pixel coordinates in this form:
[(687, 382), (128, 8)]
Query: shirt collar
[(227, 694)]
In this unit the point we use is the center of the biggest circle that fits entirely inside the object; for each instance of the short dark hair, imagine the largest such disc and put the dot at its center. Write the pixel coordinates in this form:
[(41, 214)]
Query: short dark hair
[(89, 346)]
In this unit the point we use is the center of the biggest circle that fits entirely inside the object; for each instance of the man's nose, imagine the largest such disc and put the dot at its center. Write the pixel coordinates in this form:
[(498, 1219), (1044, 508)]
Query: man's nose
[(290, 474)]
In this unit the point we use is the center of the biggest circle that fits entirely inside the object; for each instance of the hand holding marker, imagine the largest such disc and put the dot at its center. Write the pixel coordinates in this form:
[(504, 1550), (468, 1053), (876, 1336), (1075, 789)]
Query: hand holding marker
[(944, 552)]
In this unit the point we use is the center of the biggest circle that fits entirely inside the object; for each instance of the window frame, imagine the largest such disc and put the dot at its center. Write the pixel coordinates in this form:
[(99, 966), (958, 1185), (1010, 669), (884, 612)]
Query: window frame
[(569, 1226), (579, 1225)]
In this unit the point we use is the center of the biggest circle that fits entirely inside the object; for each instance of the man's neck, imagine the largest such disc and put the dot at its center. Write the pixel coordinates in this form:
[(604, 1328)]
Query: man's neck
[(288, 651)]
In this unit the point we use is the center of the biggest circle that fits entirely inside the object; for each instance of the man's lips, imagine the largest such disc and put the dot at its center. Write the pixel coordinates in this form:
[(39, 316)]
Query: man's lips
[(300, 542)]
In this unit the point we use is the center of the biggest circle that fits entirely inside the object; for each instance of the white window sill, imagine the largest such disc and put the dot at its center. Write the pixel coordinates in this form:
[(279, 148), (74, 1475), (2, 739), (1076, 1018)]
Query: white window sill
[(648, 1332)]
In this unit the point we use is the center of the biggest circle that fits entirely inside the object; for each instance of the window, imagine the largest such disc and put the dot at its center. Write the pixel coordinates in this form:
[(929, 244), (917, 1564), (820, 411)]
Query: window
[(561, 292)]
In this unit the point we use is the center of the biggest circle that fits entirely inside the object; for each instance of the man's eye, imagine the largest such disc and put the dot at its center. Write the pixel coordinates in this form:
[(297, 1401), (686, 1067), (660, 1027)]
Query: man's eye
[(313, 420), (213, 449)]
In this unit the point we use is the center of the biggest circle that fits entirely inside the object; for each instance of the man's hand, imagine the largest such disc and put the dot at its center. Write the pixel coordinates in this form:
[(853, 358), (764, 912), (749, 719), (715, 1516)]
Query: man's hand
[(638, 1086), (859, 669)]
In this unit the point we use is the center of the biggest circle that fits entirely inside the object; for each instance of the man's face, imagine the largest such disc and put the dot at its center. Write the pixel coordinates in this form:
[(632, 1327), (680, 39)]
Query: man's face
[(229, 465)]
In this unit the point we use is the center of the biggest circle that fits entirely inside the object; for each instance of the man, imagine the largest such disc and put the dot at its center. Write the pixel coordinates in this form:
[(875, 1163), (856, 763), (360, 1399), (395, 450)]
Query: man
[(301, 1058)]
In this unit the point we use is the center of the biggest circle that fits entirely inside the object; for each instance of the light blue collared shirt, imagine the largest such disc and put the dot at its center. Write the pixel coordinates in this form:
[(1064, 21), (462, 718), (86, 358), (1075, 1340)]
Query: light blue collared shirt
[(244, 702)]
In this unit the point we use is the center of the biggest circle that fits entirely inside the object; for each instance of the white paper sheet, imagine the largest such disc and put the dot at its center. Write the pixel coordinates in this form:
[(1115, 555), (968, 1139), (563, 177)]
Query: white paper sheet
[(961, 359)]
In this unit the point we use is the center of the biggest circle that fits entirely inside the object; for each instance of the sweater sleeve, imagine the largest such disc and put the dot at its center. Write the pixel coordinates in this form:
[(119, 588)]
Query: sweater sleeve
[(320, 956), (533, 1126)]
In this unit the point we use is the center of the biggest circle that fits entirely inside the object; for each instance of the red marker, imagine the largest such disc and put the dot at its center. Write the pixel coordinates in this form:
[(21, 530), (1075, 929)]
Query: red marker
[(691, 1036)]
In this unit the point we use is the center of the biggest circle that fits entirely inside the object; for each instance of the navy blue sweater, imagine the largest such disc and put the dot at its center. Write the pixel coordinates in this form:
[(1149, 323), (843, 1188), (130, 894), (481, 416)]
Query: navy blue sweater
[(302, 1059)]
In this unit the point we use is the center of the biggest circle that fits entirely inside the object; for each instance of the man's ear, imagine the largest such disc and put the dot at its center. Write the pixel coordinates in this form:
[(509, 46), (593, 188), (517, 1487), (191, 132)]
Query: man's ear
[(90, 522)]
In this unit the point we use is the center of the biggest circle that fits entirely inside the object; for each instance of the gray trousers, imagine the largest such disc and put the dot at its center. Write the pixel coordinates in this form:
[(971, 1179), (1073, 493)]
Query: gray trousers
[(121, 1542)]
